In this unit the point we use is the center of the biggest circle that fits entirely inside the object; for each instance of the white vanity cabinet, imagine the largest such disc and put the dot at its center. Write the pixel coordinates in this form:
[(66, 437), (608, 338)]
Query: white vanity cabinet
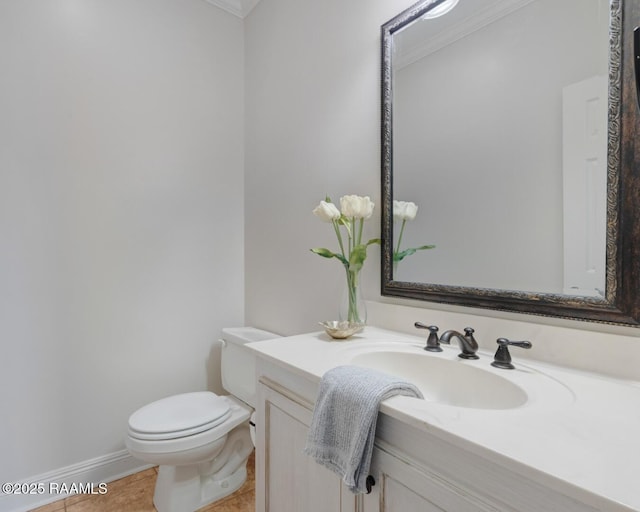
[(414, 472), (436, 458), (287, 480), (400, 486)]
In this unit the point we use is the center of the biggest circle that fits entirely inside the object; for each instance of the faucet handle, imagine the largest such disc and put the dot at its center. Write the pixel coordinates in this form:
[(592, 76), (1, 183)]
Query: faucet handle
[(433, 345), (502, 359)]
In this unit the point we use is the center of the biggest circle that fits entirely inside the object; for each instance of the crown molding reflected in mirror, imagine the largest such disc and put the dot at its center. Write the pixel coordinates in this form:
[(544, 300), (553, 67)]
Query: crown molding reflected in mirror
[(619, 302)]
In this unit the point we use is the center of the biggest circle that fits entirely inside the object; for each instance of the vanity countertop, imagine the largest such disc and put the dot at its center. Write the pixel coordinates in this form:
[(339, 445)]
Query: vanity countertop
[(583, 441)]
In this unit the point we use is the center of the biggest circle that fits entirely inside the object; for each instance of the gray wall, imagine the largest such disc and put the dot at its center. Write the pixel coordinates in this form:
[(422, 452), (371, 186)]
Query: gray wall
[(312, 129), (120, 216)]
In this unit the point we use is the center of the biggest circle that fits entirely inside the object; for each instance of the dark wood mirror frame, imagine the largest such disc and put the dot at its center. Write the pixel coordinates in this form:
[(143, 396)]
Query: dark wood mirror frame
[(621, 303)]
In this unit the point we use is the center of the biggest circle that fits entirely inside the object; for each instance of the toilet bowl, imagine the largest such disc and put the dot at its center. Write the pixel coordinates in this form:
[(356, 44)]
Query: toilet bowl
[(201, 441)]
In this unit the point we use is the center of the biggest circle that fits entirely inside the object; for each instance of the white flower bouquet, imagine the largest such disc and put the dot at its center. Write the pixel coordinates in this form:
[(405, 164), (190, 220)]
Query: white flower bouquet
[(354, 210)]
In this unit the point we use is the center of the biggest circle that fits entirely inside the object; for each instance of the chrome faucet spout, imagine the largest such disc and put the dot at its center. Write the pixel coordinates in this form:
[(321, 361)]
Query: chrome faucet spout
[(468, 344)]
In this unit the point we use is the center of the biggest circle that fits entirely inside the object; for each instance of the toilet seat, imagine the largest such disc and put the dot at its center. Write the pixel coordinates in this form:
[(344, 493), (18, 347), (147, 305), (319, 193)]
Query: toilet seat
[(179, 416), (179, 443)]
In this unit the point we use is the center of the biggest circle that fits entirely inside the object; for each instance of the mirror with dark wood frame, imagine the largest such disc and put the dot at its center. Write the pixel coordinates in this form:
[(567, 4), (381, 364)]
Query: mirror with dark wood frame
[(518, 220)]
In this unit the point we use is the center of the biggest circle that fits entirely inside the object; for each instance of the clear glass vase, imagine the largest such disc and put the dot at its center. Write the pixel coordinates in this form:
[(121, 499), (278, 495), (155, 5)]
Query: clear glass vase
[(352, 306)]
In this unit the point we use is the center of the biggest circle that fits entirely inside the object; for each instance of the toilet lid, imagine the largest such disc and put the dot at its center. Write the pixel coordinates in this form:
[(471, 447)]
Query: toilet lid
[(179, 416)]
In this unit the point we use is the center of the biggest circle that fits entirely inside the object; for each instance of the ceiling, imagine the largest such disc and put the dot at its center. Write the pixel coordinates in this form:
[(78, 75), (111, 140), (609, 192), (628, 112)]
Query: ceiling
[(239, 8)]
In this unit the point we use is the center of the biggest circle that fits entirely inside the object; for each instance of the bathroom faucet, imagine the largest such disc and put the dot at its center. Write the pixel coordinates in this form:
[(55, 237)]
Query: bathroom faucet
[(468, 344)]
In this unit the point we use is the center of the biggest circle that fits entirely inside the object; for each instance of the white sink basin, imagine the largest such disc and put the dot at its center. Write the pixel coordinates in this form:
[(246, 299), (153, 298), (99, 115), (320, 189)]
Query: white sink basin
[(447, 381)]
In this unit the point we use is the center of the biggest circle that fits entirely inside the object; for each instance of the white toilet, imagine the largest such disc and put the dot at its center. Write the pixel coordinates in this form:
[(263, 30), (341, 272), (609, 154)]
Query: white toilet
[(201, 441)]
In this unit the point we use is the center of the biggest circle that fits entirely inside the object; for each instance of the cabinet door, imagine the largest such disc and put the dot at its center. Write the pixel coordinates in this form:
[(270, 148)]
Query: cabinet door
[(287, 480), (404, 487)]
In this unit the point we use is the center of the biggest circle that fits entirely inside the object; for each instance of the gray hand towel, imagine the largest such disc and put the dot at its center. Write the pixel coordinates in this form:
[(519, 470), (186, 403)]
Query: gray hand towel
[(343, 427)]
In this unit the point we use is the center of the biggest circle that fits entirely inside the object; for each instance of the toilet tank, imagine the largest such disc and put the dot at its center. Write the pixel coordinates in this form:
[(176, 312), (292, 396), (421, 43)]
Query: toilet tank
[(239, 363)]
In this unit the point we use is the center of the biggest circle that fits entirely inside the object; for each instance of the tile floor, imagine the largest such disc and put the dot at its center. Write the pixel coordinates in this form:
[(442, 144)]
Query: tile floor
[(135, 494)]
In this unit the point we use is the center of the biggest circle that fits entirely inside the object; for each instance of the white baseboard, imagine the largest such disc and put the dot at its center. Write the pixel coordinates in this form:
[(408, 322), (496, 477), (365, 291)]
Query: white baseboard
[(99, 470)]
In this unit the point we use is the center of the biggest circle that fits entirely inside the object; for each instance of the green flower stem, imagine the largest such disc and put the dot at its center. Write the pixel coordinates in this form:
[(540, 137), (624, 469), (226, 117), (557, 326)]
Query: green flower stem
[(404, 221), (353, 315), (337, 230), (352, 223)]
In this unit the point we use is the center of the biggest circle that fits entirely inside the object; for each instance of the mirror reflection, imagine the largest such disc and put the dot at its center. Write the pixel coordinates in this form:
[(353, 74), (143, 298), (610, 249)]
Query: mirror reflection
[(500, 138)]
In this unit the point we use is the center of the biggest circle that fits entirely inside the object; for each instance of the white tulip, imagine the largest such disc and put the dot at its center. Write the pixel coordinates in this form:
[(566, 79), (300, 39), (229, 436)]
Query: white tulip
[(404, 210), (326, 212), (356, 207)]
